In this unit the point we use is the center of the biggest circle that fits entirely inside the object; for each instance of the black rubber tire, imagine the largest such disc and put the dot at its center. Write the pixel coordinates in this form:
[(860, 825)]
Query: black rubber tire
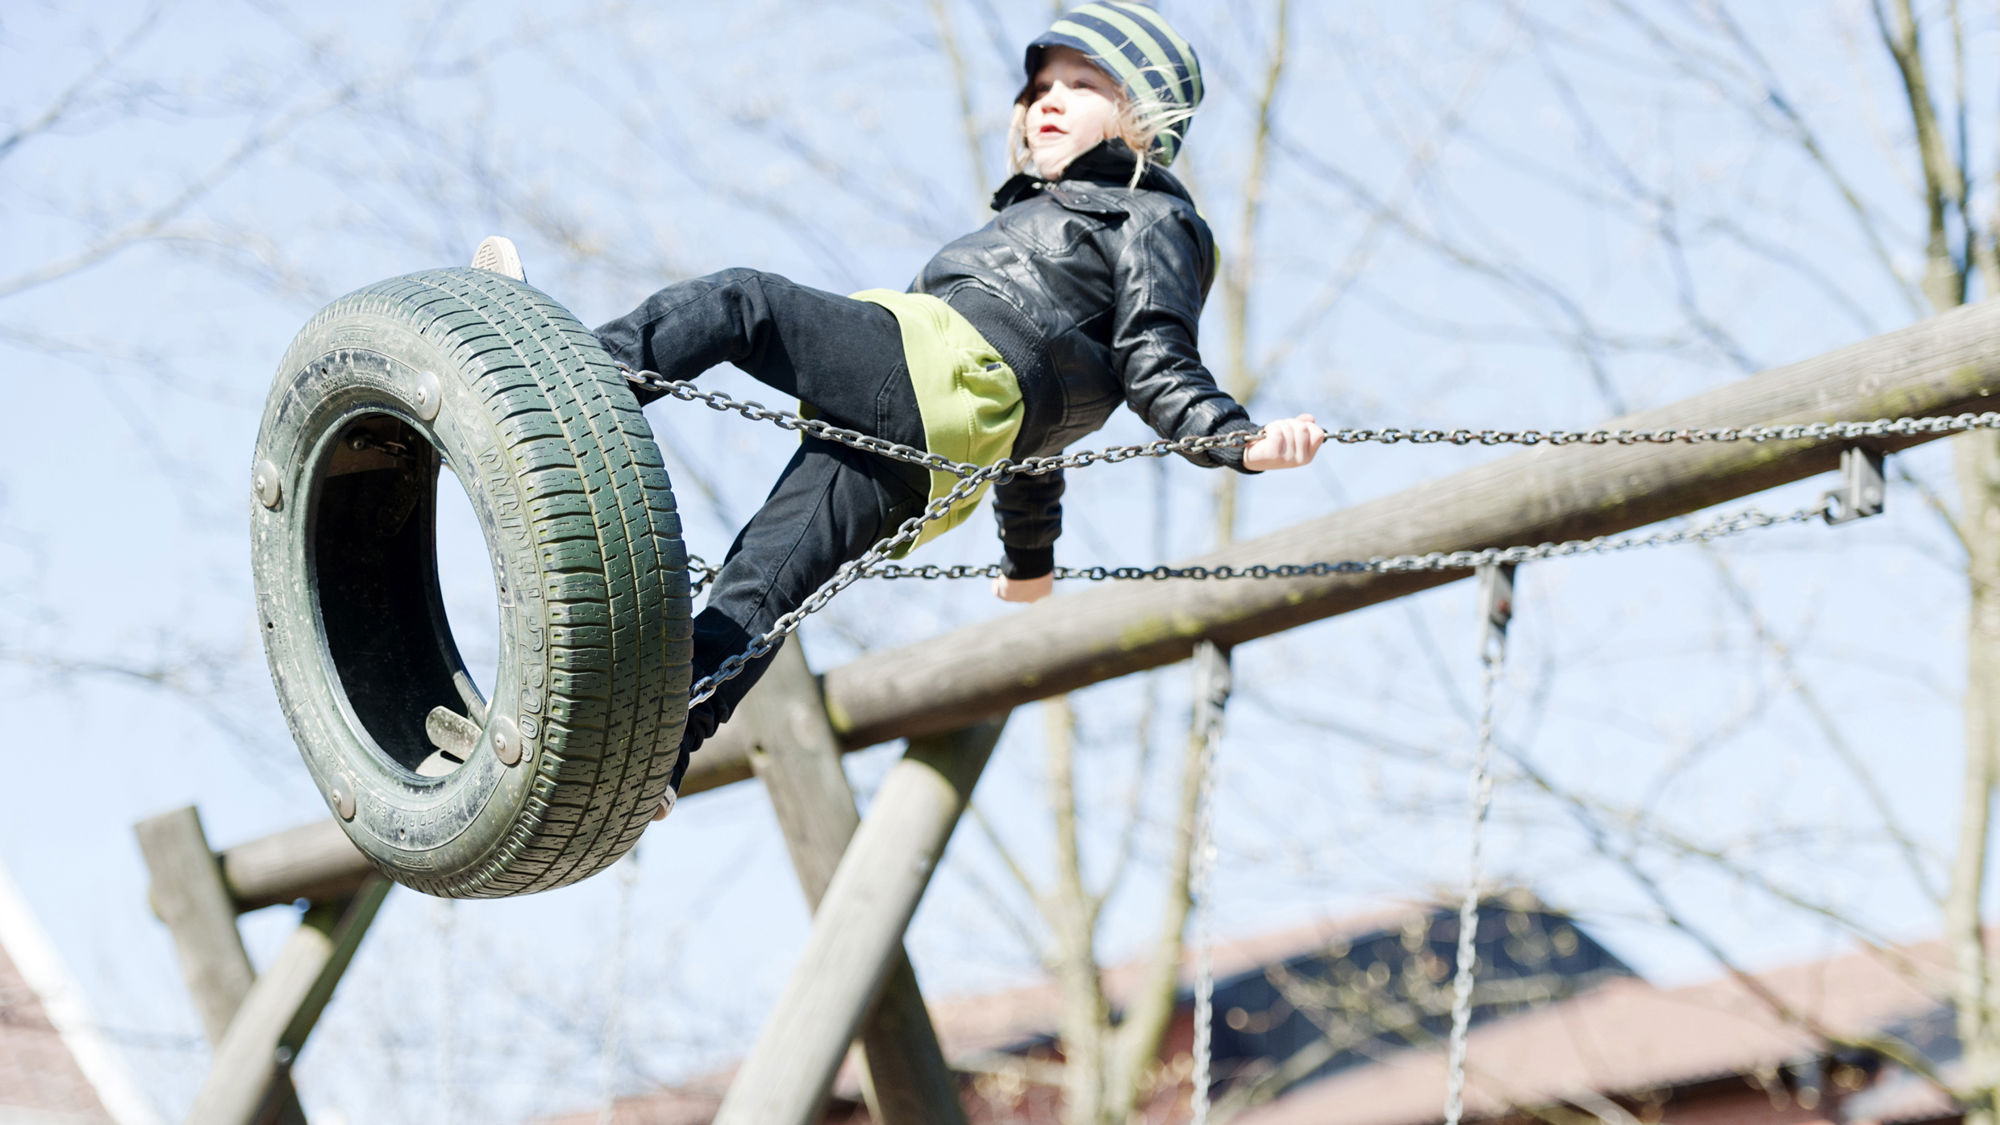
[(501, 384)]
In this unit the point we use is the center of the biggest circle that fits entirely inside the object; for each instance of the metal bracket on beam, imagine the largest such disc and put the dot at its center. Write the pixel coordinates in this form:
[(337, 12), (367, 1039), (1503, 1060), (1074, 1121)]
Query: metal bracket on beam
[(1862, 489)]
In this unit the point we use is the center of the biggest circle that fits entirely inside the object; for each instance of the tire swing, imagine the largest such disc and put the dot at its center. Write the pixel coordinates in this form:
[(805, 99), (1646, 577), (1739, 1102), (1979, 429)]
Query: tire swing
[(447, 792)]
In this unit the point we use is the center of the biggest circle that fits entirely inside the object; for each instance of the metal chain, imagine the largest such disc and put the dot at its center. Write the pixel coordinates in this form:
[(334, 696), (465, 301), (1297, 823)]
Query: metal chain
[(704, 572), (1029, 466), (1496, 610), (1468, 911), (1721, 527), (849, 573), (875, 563), (1390, 435), (1212, 685)]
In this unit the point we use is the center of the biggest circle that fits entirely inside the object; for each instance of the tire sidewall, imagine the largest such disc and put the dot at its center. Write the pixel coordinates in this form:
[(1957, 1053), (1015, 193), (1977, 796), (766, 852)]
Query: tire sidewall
[(338, 369)]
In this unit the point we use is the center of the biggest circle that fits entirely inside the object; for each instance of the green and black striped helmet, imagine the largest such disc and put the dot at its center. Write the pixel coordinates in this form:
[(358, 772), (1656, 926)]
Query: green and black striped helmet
[(1135, 45)]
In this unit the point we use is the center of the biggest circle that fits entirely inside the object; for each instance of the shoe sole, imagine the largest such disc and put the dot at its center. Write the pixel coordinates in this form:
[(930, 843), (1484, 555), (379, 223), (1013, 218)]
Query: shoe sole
[(497, 255)]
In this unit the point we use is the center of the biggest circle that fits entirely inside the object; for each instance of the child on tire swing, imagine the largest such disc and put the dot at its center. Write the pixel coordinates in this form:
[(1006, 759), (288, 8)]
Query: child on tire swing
[(1015, 341)]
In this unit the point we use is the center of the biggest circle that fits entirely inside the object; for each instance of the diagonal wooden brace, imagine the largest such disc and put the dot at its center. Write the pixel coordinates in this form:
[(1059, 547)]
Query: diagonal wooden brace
[(271, 1026), (190, 897), (858, 930), (795, 753)]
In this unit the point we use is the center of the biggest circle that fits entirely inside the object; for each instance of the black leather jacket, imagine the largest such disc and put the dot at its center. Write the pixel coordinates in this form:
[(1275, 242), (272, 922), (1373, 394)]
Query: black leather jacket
[(1091, 290)]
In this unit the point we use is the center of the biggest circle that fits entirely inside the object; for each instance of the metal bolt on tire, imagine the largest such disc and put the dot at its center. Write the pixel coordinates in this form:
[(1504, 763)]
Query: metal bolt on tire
[(487, 376)]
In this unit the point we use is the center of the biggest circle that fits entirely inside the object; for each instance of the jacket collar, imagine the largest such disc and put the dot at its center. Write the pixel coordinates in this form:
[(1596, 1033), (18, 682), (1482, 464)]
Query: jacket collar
[(1109, 165)]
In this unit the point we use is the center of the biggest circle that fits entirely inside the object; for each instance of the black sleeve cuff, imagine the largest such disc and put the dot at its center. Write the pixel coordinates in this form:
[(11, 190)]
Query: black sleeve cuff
[(1231, 457), (1027, 562)]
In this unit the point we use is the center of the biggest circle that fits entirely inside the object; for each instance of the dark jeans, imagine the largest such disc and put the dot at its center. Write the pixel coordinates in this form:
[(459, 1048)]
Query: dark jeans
[(843, 356)]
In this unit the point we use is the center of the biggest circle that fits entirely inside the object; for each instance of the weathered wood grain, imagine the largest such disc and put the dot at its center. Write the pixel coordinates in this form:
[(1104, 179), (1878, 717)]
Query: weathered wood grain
[(858, 931), (797, 757)]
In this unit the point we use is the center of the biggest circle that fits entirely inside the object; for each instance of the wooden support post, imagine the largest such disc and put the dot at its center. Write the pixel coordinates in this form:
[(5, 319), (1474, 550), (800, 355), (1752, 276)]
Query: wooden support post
[(189, 896), (904, 1074), (279, 1012), (858, 930)]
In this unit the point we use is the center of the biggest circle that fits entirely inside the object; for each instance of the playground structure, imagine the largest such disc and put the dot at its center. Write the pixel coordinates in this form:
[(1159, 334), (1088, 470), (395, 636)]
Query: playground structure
[(949, 696)]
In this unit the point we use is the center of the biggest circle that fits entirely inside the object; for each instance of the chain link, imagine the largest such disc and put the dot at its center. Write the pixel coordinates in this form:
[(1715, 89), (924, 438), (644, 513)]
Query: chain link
[(704, 573), (874, 564), (1718, 528), (1793, 431), (849, 573), (1030, 466), (1481, 786), (787, 420), (1391, 435)]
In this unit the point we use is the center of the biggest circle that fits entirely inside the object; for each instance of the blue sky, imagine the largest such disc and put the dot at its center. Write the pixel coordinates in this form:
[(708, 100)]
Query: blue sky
[(625, 147)]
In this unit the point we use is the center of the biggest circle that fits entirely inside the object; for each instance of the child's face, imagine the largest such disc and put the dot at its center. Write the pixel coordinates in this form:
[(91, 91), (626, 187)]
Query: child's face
[(1072, 105)]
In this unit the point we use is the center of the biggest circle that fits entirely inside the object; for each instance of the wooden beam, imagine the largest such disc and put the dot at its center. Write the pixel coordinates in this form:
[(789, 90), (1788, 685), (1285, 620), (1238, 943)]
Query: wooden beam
[(189, 896), (904, 1075), (858, 931), (271, 1027), (1946, 365), (314, 861)]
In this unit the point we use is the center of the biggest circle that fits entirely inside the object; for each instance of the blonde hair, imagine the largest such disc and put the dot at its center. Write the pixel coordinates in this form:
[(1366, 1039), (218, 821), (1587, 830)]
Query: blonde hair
[(1139, 124)]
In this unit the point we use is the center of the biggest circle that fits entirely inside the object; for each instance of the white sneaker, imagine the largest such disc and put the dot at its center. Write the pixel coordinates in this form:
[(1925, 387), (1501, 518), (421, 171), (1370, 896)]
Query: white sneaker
[(498, 255), (666, 805)]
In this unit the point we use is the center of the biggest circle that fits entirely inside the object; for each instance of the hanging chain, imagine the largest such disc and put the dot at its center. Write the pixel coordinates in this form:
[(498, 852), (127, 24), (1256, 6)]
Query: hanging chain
[(1390, 435), (1212, 686), (1718, 528), (1468, 909), (1027, 466), (849, 573), (1496, 589)]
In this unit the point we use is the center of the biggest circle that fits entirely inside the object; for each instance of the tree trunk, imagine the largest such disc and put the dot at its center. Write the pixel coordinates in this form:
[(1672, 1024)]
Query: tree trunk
[(1086, 1015), (1978, 463)]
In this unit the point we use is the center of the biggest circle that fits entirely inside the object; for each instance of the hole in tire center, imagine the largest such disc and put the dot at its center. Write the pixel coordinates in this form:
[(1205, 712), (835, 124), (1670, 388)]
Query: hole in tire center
[(405, 591), (465, 580)]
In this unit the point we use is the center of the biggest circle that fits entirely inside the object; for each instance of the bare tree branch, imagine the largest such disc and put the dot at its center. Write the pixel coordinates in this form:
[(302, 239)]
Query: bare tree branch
[(961, 78), (59, 109)]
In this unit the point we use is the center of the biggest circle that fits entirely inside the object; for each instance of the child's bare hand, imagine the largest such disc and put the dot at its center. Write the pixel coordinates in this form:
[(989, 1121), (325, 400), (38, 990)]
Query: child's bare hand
[(1286, 444), (1024, 589)]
